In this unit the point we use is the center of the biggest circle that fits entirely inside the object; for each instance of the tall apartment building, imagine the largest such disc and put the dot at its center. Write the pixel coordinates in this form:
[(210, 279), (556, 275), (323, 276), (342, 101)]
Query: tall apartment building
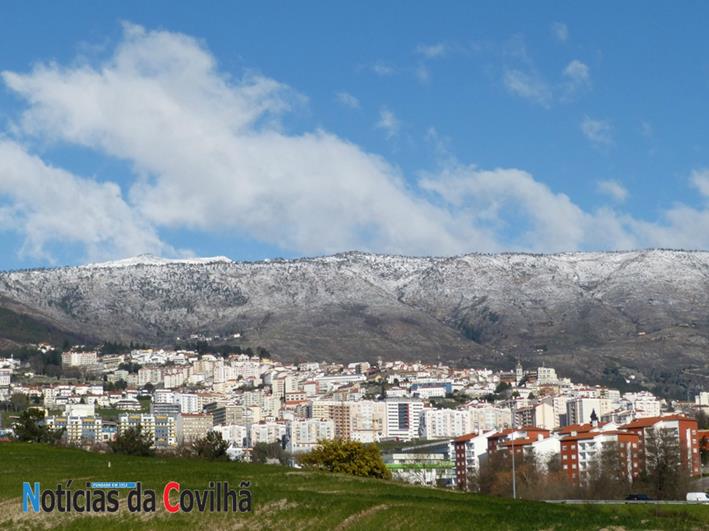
[(403, 418)]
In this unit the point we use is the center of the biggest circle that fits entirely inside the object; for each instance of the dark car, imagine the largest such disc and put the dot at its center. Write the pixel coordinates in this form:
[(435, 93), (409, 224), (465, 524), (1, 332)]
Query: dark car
[(638, 497)]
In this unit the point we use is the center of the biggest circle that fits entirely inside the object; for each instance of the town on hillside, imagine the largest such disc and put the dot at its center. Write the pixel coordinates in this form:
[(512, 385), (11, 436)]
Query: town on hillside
[(436, 425)]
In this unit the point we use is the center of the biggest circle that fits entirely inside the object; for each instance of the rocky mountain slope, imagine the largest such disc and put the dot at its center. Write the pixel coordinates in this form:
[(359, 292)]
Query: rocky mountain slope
[(599, 315)]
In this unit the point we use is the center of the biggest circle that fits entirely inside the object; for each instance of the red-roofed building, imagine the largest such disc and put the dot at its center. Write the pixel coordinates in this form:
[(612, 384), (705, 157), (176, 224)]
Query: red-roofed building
[(581, 449), (683, 428), (498, 441), (467, 451)]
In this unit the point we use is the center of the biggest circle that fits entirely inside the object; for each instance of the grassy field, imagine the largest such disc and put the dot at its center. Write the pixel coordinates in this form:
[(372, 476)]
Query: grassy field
[(292, 499)]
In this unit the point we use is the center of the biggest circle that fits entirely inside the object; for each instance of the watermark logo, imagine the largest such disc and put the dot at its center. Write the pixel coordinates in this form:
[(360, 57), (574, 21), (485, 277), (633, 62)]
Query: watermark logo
[(103, 496)]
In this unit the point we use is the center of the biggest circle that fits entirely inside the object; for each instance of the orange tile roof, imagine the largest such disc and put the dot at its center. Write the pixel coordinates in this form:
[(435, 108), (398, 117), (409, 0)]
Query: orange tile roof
[(466, 437), (651, 421)]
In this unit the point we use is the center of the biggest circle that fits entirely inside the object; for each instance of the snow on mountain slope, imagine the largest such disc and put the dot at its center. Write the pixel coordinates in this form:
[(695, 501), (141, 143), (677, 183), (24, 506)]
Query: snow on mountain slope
[(585, 311)]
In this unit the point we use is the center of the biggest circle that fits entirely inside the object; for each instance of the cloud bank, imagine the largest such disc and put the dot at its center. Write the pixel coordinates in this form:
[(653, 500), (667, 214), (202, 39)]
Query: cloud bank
[(209, 154)]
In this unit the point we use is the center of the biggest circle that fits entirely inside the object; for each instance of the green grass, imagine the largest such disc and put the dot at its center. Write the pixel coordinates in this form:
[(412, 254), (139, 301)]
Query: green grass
[(292, 499)]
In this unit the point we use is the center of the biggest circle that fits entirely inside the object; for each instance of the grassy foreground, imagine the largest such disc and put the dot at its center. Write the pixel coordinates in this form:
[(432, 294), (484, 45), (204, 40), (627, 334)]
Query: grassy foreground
[(292, 499)]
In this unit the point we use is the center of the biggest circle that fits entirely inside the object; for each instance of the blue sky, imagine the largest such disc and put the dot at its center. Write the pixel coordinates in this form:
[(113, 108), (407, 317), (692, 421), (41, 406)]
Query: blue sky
[(277, 129)]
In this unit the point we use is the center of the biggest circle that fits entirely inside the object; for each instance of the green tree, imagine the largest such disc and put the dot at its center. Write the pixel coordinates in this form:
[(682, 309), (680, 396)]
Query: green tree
[(211, 447), (262, 452), (19, 401), (348, 457), (30, 427), (133, 441)]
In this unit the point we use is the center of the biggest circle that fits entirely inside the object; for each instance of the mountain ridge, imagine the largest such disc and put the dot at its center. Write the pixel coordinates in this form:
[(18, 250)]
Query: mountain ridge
[(642, 312)]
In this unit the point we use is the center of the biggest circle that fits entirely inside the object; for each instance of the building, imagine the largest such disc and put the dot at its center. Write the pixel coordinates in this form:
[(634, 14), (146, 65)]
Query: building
[(443, 423), (74, 358), (160, 427), (683, 429), (235, 435), (580, 410), (469, 450), (266, 432), (5, 376), (487, 417), (192, 426), (304, 434), (547, 376), (403, 417), (580, 451), (84, 430)]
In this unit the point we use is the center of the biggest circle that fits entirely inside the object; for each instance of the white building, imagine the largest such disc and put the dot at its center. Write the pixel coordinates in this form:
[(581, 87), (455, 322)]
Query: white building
[(266, 432), (444, 423), (234, 434), (304, 434), (547, 376), (403, 418), (79, 359), (5, 376)]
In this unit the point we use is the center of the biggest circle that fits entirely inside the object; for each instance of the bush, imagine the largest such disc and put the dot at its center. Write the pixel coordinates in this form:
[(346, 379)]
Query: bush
[(348, 457), (133, 442), (30, 428), (262, 452), (211, 447)]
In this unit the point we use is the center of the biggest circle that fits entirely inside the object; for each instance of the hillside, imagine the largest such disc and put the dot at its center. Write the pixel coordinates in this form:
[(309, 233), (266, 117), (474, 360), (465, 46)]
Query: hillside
[(594, 316), (290, 499)]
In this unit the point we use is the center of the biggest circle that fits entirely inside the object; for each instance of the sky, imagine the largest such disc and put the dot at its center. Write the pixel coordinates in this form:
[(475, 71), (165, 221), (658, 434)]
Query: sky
[(283, 129)]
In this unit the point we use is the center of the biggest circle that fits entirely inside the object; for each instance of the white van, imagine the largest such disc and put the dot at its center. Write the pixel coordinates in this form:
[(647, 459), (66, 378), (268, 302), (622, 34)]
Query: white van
[(697, 497)]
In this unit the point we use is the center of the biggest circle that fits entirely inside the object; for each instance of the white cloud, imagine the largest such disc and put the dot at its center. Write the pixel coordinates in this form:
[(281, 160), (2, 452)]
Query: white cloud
[(577, 75), (47, 204), (388, 122), (528, 86), (700, 180), (600, 132), (348, 100), (560, 31), (209, 154), (432, 51), (613, 189)]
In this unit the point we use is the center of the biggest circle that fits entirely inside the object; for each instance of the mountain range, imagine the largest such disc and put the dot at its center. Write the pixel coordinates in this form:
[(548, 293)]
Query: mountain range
[(637, 317)]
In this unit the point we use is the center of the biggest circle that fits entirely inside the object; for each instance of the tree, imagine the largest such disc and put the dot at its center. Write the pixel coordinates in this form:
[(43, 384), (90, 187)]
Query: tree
[(30, 427), (19, 401), (133, 441), (211, 447), (349, 457), (262, 452), (664, 477), (608, 474)]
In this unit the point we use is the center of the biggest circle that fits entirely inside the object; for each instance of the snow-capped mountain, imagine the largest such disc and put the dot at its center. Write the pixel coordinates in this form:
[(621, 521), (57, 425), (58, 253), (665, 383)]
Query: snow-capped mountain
[(642, 311)]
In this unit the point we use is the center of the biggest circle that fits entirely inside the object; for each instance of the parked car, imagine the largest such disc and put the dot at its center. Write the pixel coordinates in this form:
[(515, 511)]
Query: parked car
[(697, 497), (638, 497)]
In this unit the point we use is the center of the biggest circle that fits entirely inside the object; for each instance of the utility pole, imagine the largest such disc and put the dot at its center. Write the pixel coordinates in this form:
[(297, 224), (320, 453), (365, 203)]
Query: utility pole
[(514, 475)]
